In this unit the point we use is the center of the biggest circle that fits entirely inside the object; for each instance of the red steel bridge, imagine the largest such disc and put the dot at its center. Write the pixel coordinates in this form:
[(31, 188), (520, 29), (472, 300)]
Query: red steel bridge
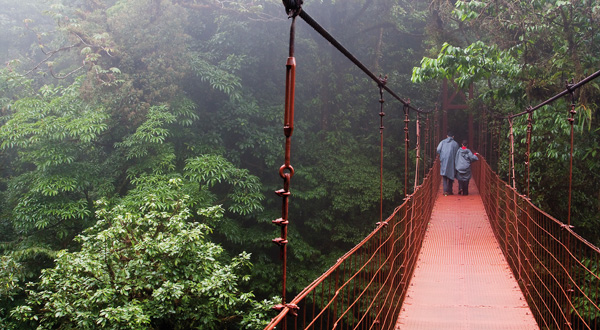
[(489, 260)]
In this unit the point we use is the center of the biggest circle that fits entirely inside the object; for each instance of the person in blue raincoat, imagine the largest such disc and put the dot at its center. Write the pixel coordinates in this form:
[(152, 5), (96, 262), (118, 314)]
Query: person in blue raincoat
[(447, 150), (462, 163)]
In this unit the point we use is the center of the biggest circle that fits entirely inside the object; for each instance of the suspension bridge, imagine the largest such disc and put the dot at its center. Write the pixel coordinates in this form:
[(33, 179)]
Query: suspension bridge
[(489, 260)]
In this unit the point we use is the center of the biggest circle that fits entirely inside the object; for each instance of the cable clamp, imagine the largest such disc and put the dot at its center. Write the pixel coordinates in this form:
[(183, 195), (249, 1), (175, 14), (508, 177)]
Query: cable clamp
[(292, 307), (280, 241), (280, 222), (282, 193), (293, 7)]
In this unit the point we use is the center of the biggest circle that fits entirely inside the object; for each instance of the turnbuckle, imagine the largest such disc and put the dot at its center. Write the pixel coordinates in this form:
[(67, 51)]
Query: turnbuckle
[(280, 241)]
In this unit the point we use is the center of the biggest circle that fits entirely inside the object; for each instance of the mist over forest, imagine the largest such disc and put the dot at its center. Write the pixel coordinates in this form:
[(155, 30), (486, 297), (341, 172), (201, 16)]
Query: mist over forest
[(141, 140)]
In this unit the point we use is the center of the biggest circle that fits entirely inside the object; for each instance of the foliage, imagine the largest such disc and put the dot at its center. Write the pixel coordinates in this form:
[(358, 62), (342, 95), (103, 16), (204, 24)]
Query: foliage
[(520, 53), (55, 137), (474, 63), (125, 121), (145, 264), (244, 195), (535, 43), (584, 306), (192, 90), (11, 274), (549, 165)]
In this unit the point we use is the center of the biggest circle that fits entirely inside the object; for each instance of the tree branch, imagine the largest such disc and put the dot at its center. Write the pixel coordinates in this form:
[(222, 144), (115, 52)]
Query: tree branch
[(49, 56)]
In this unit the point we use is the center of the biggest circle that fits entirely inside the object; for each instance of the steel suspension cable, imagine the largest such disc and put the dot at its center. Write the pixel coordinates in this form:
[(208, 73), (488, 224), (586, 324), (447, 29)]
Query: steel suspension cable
[(570, 89), (310, 21)]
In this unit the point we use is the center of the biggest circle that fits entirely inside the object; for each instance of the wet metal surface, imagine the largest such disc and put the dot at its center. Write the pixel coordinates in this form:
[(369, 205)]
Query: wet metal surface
[(462, 280)]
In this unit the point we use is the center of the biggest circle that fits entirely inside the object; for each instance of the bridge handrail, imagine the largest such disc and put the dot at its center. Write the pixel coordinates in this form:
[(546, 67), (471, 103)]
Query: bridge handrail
[(388, 253), (557, 270)]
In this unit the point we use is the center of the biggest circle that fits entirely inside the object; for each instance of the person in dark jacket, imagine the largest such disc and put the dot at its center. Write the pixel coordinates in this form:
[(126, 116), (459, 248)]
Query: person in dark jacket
[(447, 150), (462, 163)]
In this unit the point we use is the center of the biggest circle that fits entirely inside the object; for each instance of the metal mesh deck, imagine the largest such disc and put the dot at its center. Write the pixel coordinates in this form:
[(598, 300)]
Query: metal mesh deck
[(462, 280)]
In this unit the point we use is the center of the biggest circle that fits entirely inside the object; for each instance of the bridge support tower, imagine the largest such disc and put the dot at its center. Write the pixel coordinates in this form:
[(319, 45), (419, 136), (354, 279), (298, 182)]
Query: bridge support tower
[(454, 100)]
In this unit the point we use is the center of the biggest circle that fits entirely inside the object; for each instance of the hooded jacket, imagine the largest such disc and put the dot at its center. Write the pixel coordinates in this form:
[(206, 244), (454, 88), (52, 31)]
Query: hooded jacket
[(462, 163), (447, 150)]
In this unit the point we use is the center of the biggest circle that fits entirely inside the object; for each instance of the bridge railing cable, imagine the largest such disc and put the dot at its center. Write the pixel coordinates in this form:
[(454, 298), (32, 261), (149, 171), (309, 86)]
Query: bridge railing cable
[(294, 9), (366, 286), (557, 270)]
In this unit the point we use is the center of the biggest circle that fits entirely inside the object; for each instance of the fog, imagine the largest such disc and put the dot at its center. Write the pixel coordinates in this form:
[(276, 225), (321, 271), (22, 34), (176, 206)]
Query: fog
[(141, 144)]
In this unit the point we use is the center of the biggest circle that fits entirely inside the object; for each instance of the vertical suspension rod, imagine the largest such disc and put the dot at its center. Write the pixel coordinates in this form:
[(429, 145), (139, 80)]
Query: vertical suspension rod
[(500, 138), (511, 173), (406, 146), (428, 157), (485, 126), (572, 113), (381, 128), (436, 128), (418, 154), (480, 132), (528, 152), (286, 171)]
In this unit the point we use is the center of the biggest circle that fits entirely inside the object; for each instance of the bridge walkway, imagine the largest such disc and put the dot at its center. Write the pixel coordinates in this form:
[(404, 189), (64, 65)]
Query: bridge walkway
[(462, 280)]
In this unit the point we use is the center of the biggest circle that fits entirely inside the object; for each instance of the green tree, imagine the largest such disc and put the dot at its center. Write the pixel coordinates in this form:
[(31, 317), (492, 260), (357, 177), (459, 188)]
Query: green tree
[(53, 139), (194, 87), (53, 171), (517, 54), (148, 263)]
